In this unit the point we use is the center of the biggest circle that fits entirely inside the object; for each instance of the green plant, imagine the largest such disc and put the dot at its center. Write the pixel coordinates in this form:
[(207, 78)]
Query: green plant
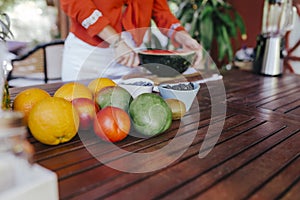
[(209, 20), (4, 27)]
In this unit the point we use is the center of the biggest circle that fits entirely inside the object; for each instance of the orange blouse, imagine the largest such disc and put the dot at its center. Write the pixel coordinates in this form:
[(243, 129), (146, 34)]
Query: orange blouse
[(89, 17)]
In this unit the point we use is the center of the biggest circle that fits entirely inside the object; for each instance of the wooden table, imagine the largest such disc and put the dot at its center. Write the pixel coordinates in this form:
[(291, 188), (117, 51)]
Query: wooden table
[(257, 156)]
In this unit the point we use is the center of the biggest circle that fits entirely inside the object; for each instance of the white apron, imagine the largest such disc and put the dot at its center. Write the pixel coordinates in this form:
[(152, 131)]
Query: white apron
[(82, 61)]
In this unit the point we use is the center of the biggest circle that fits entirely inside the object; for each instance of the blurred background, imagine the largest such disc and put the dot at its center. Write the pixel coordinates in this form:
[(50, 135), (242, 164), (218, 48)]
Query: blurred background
[(32, 22)]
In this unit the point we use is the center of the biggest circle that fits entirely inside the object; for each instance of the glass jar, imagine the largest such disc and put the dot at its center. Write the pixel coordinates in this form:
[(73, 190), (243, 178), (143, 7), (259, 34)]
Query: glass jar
[(6, 104), (6, 67), (15, 151)]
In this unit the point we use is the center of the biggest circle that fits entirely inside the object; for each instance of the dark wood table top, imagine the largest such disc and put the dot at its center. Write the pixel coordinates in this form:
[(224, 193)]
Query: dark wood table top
[(257, 155)]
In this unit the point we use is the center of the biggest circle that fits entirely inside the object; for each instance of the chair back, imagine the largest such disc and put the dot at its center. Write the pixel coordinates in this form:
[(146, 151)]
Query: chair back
[(53, 61), (40, 65)]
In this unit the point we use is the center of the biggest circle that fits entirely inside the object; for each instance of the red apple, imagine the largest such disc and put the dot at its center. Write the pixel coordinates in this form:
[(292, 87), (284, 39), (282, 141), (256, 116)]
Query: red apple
[(87, 110)]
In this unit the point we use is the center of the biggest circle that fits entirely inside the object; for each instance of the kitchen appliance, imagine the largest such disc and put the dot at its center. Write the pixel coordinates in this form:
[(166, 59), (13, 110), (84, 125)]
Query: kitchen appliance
[(278, 18)]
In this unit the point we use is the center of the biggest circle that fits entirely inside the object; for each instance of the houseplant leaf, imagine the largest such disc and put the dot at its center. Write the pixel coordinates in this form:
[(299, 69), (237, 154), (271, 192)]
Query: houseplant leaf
[(207, 32), (215, 3), (208, 20), (187, 17), (182, 8), (194, 23), (227, 42), (206, 12), (240, 23), (5, 27), (220, 43), (225, 17)]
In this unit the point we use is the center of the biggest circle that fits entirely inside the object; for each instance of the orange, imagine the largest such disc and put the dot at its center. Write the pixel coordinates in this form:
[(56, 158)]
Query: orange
[(73, 90), (100, 83), (49, 125), (26, 99)]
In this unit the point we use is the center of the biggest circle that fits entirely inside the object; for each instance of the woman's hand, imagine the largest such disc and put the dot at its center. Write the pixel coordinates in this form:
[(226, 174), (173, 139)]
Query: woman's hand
[(125, 55), (188, 43)]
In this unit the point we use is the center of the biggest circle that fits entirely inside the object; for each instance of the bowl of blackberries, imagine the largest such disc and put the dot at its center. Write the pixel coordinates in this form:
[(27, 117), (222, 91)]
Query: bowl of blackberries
[(166, 63), (137, 86), (185, 92)]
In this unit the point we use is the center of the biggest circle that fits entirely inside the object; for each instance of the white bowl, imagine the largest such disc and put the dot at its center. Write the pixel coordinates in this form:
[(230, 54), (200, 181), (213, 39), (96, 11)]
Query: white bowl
[(186, 96), (136, 90)]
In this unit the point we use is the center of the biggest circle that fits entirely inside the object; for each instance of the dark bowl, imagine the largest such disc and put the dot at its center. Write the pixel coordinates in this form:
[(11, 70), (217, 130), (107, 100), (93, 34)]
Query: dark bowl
[(165, 63)]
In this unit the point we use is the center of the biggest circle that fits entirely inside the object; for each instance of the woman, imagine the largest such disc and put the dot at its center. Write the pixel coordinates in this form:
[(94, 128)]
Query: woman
[(104, 35)]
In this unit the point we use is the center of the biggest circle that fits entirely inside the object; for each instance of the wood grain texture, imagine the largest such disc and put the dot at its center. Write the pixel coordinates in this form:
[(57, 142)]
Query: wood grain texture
[(255, 157)]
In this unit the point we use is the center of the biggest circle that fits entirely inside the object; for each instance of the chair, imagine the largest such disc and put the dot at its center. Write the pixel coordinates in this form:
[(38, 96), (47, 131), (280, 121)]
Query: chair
[(40, 65)]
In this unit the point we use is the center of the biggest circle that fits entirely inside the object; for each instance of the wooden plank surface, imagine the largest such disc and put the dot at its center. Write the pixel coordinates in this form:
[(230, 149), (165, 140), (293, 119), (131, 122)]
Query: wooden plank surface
[(255, 157)]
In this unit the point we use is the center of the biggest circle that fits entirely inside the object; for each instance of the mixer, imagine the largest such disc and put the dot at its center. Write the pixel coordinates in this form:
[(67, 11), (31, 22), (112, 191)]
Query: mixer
[(278, 18)]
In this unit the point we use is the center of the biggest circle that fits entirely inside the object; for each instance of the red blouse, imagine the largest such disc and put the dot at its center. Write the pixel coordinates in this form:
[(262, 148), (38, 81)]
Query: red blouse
[(89, 17)]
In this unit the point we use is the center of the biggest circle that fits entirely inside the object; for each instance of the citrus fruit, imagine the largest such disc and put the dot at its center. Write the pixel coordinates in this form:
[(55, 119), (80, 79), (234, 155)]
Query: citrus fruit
[(73, 90), (49, 125), (26, 99), (100, 83)]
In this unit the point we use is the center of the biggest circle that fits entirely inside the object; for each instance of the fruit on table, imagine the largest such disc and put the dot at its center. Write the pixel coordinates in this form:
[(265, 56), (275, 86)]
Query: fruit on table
[(99, 83), (158, 51), (177, 107), (166, 63), (87, 110), (113, 96), (150, 114), (53, 121), (26, 99), (112, 124), (72, 90)]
